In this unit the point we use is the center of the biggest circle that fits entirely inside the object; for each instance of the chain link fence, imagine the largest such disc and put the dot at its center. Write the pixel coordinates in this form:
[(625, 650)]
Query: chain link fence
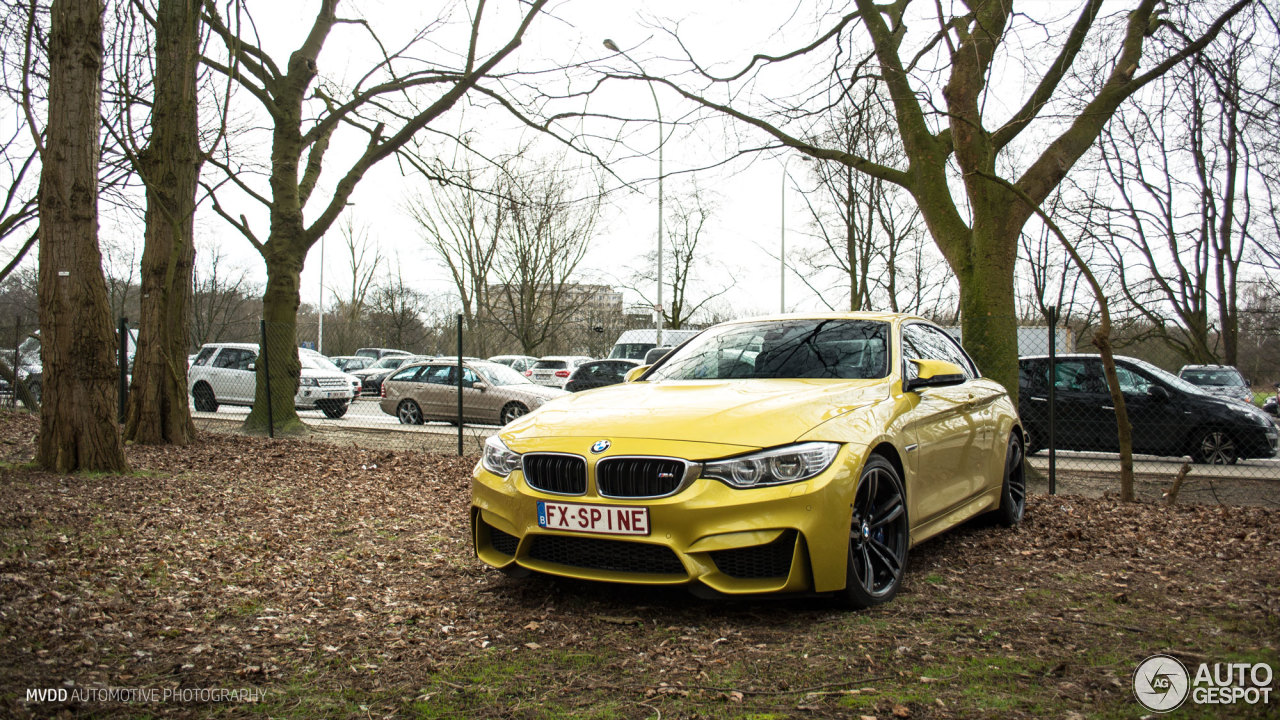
[(1209, 442), (398, 402)]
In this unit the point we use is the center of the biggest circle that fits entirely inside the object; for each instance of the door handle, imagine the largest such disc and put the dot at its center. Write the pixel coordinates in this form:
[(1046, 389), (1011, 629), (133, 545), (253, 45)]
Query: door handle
[(1108, 407), (1039, 399)]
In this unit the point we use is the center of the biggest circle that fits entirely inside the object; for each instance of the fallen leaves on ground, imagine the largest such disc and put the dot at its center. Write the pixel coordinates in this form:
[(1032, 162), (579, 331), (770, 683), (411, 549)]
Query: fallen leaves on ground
[(321, 573)]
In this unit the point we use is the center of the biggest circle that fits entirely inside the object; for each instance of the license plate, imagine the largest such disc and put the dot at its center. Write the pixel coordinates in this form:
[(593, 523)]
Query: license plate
[(334, 394), (597, 519)]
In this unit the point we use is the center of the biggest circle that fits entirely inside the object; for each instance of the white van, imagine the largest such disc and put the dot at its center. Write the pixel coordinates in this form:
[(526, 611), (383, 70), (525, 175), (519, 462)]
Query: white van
[(633, 344)]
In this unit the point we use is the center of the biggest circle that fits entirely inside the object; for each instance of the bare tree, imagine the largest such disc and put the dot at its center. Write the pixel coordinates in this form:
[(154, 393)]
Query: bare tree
[(396, 313), (463, 227), (388, 105), (78, 429), (689, 281), (346, 326), (223, 303), (534, 292), (19, 158), (1181, 160), (952, 154)]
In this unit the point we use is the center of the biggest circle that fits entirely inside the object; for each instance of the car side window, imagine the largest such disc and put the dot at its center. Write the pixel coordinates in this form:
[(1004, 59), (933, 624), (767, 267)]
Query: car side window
[(406, 375), (926, 342), (1132, 383), (436, 374), (1033, 375), (234, 359), (1079, 376), (469, 377), (203, 356)]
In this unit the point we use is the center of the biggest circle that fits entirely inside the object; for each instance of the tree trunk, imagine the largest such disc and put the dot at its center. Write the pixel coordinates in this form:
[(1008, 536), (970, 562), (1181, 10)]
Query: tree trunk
[(280, 313), (170, 166), (78, 429)]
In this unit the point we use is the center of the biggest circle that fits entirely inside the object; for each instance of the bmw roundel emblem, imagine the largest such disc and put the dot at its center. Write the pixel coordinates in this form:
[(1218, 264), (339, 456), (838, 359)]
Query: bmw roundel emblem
[(600, 446)]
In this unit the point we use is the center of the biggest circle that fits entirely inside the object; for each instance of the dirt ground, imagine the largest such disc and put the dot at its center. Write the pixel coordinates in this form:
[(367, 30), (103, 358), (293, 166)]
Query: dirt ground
[(306, 580)]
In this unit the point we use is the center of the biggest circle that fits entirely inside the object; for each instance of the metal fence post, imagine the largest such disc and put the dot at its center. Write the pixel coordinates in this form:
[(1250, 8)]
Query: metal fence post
[(459, 384), (17, 340), (123, 331), (1053, 400), (266, 373)]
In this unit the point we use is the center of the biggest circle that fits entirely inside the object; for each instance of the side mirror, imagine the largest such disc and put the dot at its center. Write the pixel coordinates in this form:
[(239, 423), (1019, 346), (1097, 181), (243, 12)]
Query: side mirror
[(1158, 392), (251, 367), (933, 373), (634, 373), (478, 385)]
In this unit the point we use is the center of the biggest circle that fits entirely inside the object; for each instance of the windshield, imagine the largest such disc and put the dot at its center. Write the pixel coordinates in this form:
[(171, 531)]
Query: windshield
[(1219, 377), (317, 362), (391, 362), (496, 374), (631, 351), (806, 348), (1169, 378)]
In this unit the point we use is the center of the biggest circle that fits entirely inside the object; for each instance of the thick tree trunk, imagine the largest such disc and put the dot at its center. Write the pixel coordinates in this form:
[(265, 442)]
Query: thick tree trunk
[(280, 313), (78, 429), (170, 166)]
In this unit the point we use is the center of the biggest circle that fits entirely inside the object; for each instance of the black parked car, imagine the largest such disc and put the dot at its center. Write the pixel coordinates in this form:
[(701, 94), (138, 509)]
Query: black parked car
[(599, 373), (1169, 415)]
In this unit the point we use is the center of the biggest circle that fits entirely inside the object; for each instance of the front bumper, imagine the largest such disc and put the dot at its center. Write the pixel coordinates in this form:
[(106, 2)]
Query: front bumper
[(307, 397), (784, 538)]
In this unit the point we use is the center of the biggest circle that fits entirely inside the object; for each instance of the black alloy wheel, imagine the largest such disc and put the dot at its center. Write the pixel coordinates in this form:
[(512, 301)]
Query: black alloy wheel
[(879, 536), (204, 398), (1013, 493), (1215, 447)]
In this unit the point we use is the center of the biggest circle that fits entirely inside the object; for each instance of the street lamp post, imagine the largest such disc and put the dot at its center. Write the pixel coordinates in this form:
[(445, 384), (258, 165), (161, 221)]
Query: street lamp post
[(782, 243), (611, 45)]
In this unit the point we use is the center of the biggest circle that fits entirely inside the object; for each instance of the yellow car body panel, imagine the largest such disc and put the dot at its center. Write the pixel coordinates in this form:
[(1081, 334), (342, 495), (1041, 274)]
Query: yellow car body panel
[(948, 443)]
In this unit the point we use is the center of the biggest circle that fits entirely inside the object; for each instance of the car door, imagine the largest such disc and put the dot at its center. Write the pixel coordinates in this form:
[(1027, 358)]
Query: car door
[(437, 390), (478, 404), (230, 377), (1081, 404), (1156, 422), (944, 430)]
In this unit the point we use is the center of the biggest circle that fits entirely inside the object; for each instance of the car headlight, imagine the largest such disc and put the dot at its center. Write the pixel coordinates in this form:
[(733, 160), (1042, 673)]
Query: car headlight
[(498, 458), (788, 464), (308, 382)]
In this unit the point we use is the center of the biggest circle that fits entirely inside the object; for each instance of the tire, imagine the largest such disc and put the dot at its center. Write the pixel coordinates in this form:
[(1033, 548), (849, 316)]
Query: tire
[(204, 398), (34, 387), (1013, 492), (334, 408), (1035, 440), (1214, 447), (511, 411), (879, 536), (409, 413)]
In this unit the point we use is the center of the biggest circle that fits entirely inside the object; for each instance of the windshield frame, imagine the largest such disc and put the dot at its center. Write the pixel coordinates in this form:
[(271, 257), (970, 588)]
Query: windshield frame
[(686, 352)]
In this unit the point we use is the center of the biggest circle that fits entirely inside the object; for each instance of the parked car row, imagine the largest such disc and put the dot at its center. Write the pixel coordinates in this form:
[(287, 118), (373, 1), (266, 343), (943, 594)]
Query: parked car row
[(225, 374)]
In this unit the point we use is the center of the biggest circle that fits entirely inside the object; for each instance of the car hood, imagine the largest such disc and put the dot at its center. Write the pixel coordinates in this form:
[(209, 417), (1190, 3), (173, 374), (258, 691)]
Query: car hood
[(366, 372), (750, 413)]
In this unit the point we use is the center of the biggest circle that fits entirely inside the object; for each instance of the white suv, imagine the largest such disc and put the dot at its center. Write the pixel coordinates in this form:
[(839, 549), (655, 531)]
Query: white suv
[(223, 374), (554, 370)]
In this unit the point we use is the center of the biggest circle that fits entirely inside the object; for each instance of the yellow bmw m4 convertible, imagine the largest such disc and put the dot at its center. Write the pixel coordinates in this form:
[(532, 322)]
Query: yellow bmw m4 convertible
[(788, 454)]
